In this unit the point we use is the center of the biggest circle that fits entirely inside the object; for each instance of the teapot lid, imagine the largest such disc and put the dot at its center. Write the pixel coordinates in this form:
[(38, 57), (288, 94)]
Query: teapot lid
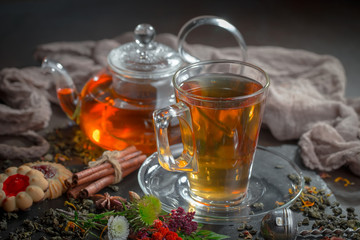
[(144, 58)]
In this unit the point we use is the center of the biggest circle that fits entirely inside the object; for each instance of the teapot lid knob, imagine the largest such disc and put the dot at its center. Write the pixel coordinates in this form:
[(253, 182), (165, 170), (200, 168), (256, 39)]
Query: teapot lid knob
[(144, 34), (144, 58)]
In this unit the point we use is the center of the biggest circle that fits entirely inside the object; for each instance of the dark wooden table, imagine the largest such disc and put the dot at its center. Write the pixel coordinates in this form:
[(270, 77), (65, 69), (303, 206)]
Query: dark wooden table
[(324, 27)]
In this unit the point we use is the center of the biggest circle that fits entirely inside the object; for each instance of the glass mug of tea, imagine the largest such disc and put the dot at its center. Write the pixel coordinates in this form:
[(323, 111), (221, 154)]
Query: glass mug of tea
[(220, 105)]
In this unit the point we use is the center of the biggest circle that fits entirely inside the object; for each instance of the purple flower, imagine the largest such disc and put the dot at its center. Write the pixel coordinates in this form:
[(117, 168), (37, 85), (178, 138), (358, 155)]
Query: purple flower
[(181, 221)]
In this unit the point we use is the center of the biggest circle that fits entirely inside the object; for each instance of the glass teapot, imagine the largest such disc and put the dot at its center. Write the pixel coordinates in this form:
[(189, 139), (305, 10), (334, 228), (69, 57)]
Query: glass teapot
[(114, 109)]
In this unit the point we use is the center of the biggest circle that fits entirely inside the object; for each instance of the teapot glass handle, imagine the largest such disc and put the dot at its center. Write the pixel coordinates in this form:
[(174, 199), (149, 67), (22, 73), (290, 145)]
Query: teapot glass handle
[(208, 20)]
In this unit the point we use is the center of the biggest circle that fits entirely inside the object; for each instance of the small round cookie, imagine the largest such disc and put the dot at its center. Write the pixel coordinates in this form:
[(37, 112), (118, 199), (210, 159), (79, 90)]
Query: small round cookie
[(21, 187), (56, 174)]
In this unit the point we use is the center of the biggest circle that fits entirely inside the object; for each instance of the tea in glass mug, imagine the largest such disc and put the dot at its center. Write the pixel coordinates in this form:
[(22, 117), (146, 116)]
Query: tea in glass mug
[(220, 105)]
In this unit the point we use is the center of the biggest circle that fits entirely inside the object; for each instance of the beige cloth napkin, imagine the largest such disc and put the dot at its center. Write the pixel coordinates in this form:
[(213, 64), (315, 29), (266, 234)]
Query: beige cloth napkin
[(306, 97)]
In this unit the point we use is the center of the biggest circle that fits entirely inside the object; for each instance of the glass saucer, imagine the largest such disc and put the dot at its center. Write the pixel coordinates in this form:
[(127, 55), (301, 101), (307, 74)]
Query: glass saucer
[(268, 188)]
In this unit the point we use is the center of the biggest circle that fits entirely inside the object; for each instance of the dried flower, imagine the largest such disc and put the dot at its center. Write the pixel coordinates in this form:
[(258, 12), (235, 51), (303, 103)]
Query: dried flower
[(109, 202), (118, 228), (172, 236), (182, 221), (149, 208), (324, 175), (139, 219), (345, 180), (134, 196), (160, 231)]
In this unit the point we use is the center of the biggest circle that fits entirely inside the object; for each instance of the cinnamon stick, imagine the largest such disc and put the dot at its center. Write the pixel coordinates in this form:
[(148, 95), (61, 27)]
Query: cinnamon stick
[(96, 186), (94, 176), (75, 192), (90, 181), (126, 154), (137, 161), (131, 163), (68, 182), (129, 171)]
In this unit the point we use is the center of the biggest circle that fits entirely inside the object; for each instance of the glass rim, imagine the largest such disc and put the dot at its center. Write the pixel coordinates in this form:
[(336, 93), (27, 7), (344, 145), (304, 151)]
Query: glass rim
[(221, 61)]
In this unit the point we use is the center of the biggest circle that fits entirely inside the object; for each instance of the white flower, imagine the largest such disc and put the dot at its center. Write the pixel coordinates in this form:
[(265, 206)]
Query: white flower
[(118, 228)]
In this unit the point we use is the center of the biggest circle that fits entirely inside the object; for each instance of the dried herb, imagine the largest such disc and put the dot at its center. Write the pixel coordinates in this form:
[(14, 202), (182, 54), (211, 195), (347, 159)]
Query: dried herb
[(324, 214), (51, 224), (247, 231), (307, 180), (3, 225), (305, 221), (257, 206), (69, 143), (10, 215), (143, 218), (294, 178)]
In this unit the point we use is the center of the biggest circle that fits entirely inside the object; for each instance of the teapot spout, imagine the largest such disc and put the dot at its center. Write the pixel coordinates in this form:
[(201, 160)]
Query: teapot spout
[(65, 88)]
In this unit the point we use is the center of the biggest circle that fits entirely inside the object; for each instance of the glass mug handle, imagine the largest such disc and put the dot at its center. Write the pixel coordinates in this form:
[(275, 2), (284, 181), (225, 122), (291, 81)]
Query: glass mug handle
[(162, 118)]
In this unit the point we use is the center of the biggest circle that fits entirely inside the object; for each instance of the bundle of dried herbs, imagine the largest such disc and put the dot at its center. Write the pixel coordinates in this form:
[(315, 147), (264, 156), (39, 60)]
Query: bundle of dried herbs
[(138, 218)]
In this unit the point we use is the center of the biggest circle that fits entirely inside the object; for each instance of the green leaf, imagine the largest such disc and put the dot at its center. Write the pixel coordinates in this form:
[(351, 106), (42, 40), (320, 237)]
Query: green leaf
[(76, 216)]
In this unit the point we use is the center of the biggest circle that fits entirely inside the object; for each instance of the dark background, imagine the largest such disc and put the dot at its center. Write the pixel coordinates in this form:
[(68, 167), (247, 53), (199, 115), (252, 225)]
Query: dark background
[(324, 27)]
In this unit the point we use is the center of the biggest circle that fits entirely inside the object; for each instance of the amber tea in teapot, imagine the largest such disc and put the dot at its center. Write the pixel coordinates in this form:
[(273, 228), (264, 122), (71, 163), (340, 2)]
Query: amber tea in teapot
[(114, 109), (109, 125)]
